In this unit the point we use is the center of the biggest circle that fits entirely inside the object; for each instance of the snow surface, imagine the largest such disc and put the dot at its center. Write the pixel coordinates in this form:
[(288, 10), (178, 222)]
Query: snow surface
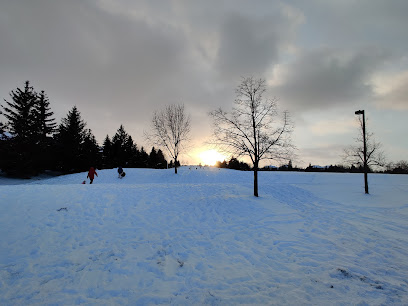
[(200, 237)]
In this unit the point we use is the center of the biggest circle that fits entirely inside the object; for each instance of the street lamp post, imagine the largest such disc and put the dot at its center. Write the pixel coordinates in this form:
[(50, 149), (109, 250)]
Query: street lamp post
[(361, 112)]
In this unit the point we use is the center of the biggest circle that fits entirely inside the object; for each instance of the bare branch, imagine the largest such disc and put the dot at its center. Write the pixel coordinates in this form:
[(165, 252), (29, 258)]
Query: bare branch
[(251, 128), (354, 155), (170, 130)]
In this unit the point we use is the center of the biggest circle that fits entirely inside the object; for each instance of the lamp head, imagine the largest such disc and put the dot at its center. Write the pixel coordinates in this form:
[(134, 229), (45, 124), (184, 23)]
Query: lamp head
[(359, 112)]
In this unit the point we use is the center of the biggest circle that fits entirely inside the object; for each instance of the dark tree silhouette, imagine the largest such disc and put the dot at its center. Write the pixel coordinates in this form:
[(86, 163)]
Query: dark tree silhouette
[(251, 128), (107, 153), (171, 130), (45, 126), (366, 157), (20, 112), (124, 150), (43, 117), (143, 159), (69, 141), (30, 123), (91, 156)]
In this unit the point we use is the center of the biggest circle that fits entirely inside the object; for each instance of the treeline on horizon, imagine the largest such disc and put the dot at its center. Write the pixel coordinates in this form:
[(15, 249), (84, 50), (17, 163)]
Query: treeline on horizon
[(34, 143), (393, 168)]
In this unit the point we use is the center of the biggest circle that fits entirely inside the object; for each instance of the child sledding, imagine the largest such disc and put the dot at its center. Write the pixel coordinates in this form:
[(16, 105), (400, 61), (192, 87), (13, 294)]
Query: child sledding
[(121, 173)]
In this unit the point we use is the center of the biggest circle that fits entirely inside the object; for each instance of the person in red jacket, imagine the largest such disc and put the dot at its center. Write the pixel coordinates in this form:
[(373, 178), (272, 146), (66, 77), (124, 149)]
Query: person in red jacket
[(91, 174)]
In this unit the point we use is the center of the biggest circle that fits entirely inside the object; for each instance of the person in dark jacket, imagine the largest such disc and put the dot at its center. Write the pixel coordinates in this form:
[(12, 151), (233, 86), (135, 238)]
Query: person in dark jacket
[(121, 173), (91, 174)]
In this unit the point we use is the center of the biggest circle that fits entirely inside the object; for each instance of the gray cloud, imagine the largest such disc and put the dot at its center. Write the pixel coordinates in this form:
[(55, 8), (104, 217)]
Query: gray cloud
[(326, 78), (118, 61), (351, 24), (392, 91), (250, 45), (99, 60)]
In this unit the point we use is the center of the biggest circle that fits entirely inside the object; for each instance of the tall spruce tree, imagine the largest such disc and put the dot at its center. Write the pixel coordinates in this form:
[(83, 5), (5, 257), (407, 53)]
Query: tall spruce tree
[(91, 156), (119, 141), (69, 140), (46, 124), (130, 151), (143, 159), (107, 153), (153, 158), (161, 160), (20, 151), (20, 112)]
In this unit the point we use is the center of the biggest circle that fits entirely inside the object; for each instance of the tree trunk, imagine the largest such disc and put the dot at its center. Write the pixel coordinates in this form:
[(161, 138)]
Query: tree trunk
[(175, 166), (256, 180)]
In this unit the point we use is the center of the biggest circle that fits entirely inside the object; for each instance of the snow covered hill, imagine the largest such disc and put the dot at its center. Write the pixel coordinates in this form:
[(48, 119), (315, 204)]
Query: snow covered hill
[(200, 237)]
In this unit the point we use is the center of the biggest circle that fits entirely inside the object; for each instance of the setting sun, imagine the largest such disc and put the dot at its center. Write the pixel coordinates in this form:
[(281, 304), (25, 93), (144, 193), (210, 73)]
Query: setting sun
[(210, 157)]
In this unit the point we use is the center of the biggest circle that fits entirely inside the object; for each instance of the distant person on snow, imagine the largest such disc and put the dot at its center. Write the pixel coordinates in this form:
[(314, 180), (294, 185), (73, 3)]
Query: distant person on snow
[(91, 174), (121, 172)]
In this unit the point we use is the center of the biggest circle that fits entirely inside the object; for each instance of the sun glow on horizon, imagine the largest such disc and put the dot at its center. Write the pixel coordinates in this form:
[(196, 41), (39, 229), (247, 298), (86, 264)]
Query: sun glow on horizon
[(210, 157)]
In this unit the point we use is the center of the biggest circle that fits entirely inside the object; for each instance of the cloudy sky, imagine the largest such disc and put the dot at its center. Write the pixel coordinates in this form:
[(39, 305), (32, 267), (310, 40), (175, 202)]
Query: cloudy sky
[(120, 60)]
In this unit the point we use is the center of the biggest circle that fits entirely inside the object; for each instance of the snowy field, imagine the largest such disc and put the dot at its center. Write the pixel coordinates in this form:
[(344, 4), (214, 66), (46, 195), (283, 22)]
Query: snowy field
[(201, 238)]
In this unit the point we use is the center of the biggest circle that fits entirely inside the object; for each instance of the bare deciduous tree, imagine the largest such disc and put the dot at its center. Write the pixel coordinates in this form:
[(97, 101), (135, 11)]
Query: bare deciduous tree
[(374, 155), (251, 128), (170, 130)]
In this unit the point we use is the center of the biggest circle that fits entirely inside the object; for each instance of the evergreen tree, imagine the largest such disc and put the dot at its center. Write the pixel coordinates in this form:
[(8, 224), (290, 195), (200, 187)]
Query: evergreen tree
[(234, 164), (290, 167), (91, 156), (46, 125), (130, 150), (19, 153), (3, 146), (120, 137), (219, 164), (69, 139), (107, 153), (20, 112), (119, 141), (153, 158), (161, 160), (143, 159)]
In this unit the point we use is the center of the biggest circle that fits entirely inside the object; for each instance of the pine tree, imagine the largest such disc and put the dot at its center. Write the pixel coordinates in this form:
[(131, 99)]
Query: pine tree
[(120, 137), (107, 153), (20, 151), (118, 145), (90, 151), (153, 158), (290, 167), (43, 116), (20, 112), (123, 148), (69, 138), (45, 126), (3, 146), (143, 159), (130, 151), (161, 160), (233, 163)]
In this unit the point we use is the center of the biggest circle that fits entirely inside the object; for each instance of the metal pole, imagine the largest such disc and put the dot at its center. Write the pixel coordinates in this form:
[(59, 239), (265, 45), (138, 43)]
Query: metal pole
[(361, 112), (365, 156)]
